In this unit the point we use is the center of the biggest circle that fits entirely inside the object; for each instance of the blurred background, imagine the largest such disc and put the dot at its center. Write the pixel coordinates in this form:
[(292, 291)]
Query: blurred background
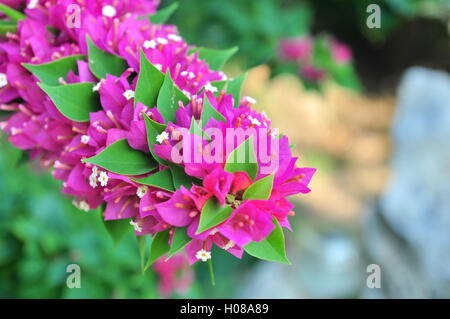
[(369, 107)]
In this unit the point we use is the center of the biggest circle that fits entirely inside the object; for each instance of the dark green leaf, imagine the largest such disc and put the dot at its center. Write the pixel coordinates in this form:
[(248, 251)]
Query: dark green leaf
[(102, 62), (234, 87), (179, 240), (120, 158), (142, 243), (261, 189), (7, 27), (50, 73), (117, 228), (161, 179), (149, 83), (159, 246), (75, 101), (209, 112), (13, 14), (180, 178), (162, 15), (272, 248), (243, 159), (212, 215), (216, 58), (153, 129), (168, 98)]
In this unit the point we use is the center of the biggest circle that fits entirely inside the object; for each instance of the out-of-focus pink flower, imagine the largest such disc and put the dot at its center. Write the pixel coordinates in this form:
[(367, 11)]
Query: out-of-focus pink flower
[(174, 275), (311, 73), (341, 52), (296, 49)]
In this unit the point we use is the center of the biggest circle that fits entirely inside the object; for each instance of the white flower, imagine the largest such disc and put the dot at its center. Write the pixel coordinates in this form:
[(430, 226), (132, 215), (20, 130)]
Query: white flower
[(229, 245), (158, 66), (254, 121), (274, 132), (184, 73), (203, 255), (95, 170), (93, 180), (162, 137), (210, 88), (103, 179), (150, 44), (85, 139), (223, 75), (250, 99), (3, 80), (136, 226), (129, 94), (174, 37), (82, 205), (32, 4), (109, 11), (187, 93), (162, 41), (141, 191), (96, 87), (191, 75)]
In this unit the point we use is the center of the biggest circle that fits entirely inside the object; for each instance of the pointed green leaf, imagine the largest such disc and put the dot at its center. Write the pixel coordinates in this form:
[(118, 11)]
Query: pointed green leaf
[(168, 98), (117, 228), (220, 85), (142, 243), (102, 62), (209, 111), (179, 240), (161, 179), (212, 215), (120, 158), (153, 129), (243, 159), (149, 83), (272, 248), (75, 101), (216, 58), (261, 189), (10, 12), (50, 73), (234, 87), (197, 130), (159, 246), (180, 178), (162, 15)]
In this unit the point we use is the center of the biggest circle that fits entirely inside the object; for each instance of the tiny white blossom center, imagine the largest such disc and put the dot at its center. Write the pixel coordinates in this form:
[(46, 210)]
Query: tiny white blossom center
[(149, 44), (3, 80), (85, 139), (136, 226), (210, 88), (162, 137), (32, 4), (254, 121), (203, 255), (129, 94), (109, 11), (141, 191), (162, 41), (249, 99), (96, 87), (103, 179)]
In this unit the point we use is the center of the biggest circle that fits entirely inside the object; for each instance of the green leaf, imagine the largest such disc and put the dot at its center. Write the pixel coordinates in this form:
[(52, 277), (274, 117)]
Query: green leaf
[(209, 111), (272, 248), (149, 83), (161, 179), (168, 98), (50, 73), (197, 130), (75, 101), (7, 26), (220, 85), (153, 129), (159, 246), (161, 16), (102, 62), (120, 158), (216, 58), (212, 215), (117, 228), (180, 178), (234, 87), (261, 189), (179, 240), (243, 159), (142, 243), (13, 14)]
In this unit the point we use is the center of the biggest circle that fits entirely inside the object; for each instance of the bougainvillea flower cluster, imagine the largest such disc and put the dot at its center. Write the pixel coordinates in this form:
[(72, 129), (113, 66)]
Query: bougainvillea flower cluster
[(139, 124)]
